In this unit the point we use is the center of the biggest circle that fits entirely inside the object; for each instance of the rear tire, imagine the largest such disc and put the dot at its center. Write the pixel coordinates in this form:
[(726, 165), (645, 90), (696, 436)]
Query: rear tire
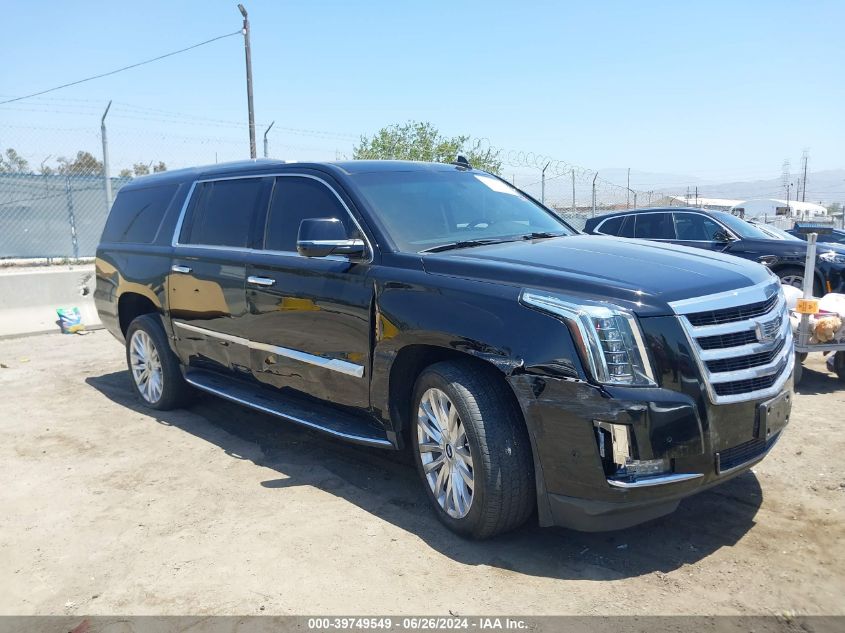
[(153, 367), (839, 365), (472, 450)]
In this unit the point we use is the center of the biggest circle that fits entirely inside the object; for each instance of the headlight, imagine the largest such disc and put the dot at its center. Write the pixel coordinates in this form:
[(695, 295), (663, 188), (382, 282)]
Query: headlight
[(608, 337), (832, 257)]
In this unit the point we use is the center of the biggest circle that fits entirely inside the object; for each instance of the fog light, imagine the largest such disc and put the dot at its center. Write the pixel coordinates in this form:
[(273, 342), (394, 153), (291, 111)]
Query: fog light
[(617, 451)]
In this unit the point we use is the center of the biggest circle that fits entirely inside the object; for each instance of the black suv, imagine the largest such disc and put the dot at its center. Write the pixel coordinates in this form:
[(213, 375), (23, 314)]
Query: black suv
[(393, 304), (726, 233)]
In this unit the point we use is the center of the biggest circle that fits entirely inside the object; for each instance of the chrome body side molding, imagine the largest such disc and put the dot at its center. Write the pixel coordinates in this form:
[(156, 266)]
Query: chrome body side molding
[(334, 364)]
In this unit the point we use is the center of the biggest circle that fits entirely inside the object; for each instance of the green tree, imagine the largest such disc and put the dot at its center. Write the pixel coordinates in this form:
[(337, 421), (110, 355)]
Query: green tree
[(83, 165), (13, 163), (141, 169), (415, 140)]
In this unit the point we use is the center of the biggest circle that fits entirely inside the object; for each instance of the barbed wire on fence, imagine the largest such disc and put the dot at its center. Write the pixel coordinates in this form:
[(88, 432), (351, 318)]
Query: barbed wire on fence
[(53, 195)]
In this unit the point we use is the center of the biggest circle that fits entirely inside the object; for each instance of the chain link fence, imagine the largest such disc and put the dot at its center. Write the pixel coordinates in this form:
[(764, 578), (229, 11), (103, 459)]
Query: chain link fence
[(52, 215)]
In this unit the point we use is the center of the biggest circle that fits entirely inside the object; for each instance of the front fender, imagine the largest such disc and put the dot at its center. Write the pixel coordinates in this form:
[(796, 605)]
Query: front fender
[(479, 319)]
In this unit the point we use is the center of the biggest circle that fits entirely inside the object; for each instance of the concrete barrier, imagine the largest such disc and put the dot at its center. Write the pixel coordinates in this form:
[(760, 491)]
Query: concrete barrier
[(29, 298)]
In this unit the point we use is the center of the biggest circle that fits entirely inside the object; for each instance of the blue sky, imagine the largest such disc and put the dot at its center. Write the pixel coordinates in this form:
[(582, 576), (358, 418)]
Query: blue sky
[(719, 90)]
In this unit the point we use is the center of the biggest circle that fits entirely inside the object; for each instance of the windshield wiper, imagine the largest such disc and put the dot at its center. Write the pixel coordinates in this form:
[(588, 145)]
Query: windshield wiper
[(539, 235), (464, 244)]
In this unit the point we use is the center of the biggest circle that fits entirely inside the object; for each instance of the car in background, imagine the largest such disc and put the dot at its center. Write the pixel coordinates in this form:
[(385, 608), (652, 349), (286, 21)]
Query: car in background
[(831, 236), (726, 233)]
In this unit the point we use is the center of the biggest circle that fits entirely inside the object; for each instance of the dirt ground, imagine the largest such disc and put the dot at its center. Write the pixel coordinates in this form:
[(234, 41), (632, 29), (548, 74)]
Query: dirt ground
[(110, 509)]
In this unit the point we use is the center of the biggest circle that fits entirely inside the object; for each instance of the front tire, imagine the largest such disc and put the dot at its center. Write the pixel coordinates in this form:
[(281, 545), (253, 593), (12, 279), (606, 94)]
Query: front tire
[(794, 276), (153, 367), (472, 450)]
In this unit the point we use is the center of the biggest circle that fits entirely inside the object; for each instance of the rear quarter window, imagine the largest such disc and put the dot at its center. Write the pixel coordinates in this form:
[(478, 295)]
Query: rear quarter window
[(137, 214)]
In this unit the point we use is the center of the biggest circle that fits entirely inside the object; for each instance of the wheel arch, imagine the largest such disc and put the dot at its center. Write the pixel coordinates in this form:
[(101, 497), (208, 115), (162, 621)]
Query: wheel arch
[(411, 360), (131, 305)]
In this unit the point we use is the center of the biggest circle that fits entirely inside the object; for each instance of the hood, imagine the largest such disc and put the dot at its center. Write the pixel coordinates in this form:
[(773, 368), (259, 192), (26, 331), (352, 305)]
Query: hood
[(636, 274)]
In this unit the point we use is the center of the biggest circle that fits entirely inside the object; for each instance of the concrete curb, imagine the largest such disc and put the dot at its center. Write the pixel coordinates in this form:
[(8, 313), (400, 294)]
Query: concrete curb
[(29, 298)]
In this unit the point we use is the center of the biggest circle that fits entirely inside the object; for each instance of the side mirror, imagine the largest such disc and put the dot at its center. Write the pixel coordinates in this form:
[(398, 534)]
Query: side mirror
[(321, 237), (723, 236)]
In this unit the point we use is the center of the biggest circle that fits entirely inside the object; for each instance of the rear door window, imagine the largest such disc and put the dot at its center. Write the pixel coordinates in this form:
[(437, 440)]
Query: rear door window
[(137, 214), (655, 226), (222, 212)]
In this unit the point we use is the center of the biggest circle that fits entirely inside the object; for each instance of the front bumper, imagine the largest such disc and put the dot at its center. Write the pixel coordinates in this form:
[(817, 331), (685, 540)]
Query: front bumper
[(699, 438)]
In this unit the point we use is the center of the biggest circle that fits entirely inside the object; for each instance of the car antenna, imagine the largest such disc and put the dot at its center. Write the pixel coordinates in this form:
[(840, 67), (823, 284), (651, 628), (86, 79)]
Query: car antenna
[(462, 161)]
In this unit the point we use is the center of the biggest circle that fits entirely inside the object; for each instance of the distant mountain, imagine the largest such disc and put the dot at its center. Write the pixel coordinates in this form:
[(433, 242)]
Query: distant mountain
[(823, 187), (826, 187)]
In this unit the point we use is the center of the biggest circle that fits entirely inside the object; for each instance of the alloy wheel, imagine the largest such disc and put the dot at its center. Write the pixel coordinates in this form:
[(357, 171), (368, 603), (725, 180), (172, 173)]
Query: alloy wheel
[(145, 364), (445, 453), (796, 281)]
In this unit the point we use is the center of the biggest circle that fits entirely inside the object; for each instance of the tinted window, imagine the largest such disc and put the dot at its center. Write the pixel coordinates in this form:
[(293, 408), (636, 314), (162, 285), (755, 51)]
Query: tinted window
[(296, 199), (655, 226), (612, 226), (696, 228), (628, 226), (137, 213), (221, 212)]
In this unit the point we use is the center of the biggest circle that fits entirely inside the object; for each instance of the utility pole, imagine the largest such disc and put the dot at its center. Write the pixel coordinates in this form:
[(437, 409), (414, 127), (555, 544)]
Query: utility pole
[(248, 82), (266, 146), (696, 195), (628, 195), (804, 188), (594, 193), (788, 185), (543, 184), (573, 190), (106, 179)]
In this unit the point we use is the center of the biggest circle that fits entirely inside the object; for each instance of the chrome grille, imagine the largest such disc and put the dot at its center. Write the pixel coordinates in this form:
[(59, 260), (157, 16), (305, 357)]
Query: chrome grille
[(742, 341), (735, 313)]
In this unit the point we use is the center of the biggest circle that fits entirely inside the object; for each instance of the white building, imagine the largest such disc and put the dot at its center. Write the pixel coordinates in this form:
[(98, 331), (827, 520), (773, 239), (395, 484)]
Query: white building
[(773, 207), (717, 204)]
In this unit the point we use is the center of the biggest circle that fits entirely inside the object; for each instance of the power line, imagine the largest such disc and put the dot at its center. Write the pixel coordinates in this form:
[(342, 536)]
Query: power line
[(120, 70)]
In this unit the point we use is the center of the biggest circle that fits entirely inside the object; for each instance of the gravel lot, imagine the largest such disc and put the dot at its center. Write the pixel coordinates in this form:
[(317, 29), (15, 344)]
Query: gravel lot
[(109, 509)]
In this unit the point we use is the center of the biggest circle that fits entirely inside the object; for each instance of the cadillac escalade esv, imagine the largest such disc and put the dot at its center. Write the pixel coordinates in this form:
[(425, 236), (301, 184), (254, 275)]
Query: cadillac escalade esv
[(436, 308)]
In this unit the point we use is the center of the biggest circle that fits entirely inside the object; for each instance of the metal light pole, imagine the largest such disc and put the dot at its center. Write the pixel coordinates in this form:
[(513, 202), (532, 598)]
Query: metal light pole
[(248, 82), (106, 179), (543, 183), (594, 193), (266, 147)]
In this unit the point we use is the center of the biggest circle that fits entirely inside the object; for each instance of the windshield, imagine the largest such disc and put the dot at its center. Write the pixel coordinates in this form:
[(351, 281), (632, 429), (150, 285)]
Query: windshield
[(422, 210), (776, 233), (740, 227)]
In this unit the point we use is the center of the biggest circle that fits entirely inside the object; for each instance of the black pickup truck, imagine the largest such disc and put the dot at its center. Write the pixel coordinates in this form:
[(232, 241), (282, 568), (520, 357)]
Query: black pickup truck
[(436, 308)]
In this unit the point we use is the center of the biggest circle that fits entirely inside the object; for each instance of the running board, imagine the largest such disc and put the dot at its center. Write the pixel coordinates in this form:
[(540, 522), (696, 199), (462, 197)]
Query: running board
[(340, 424)]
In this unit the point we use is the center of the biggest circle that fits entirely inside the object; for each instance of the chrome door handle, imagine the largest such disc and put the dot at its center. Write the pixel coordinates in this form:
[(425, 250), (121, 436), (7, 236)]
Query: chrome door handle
[(260, 281), (176, 268)]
